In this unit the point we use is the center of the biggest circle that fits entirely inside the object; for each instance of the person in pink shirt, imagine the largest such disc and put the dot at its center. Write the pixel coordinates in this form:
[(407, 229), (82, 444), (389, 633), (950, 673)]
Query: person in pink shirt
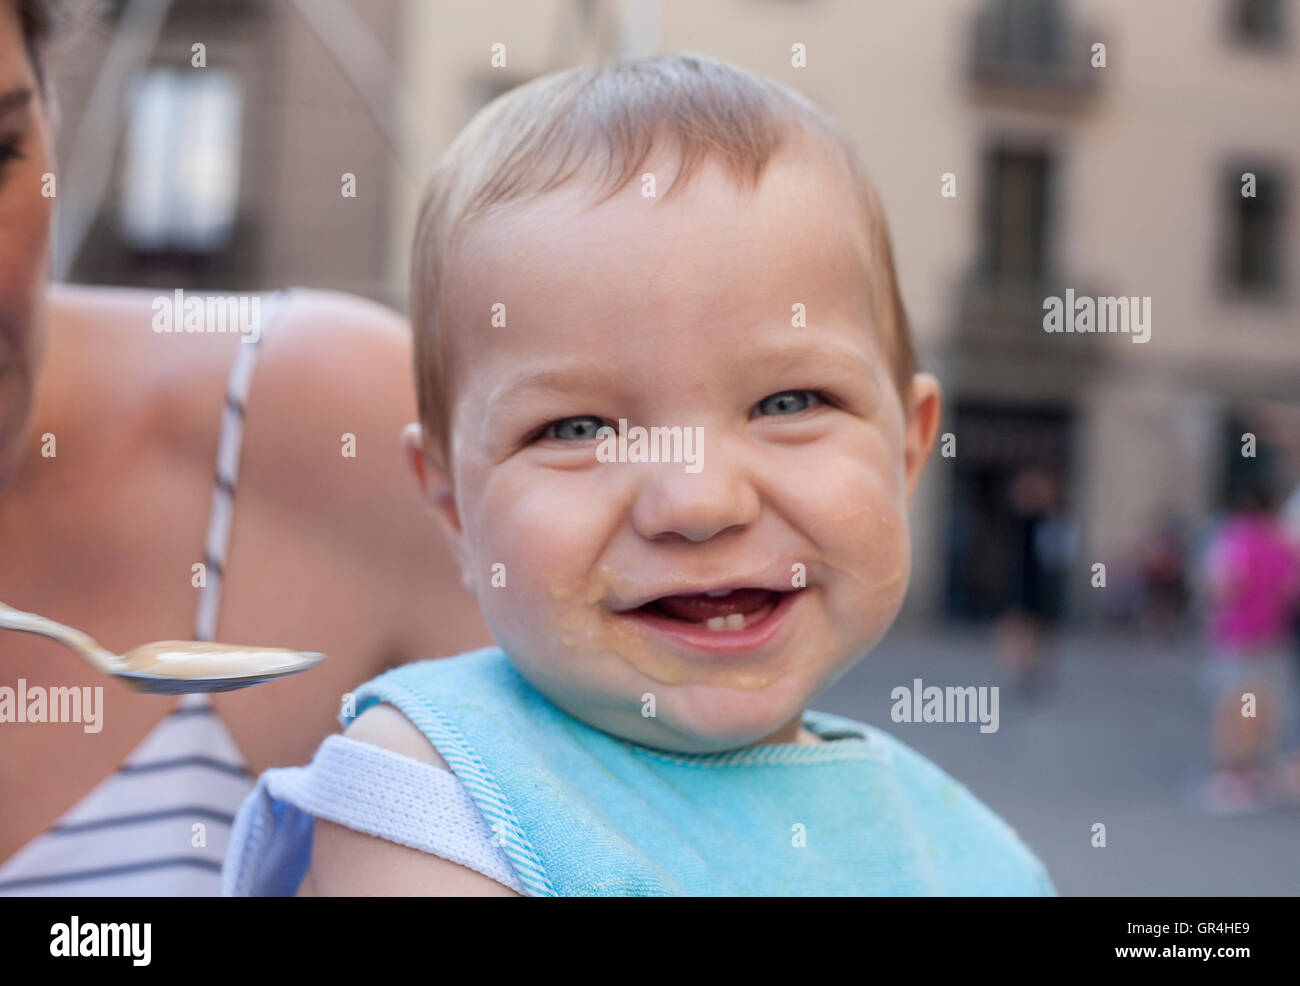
[(1252, 579)]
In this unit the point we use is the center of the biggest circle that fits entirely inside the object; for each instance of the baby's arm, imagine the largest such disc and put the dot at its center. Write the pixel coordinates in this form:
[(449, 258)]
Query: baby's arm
[(348, 863)]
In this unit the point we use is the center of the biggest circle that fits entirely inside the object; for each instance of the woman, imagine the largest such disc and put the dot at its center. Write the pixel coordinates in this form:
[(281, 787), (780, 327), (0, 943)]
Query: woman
[(108, 501)]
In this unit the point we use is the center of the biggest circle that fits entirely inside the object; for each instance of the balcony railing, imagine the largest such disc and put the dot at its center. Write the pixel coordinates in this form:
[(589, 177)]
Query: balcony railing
[(1003, 317), (1023, 50)]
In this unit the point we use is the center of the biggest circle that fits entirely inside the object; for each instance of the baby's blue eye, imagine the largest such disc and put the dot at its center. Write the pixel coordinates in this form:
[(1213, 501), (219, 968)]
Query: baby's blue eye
[(579, 429), (787, 402)]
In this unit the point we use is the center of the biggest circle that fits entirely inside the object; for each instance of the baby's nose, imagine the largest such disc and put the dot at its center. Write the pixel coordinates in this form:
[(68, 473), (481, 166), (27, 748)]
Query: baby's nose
[(674, 503)]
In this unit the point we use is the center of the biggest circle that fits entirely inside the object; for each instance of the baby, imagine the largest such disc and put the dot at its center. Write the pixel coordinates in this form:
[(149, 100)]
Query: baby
[(676, 245)]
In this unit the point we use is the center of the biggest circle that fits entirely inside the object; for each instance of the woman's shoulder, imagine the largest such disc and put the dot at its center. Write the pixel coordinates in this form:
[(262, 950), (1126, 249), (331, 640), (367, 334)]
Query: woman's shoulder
[(322, 480), (334, 365), (312, 339), (331, 384)]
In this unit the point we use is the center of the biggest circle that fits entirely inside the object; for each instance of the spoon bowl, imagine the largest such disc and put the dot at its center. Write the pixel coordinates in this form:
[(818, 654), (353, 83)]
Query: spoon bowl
[(172, 667), (176, 667)]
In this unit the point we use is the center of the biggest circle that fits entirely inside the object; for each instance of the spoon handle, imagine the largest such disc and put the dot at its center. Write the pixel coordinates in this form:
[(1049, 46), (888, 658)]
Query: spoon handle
[(16, 619)]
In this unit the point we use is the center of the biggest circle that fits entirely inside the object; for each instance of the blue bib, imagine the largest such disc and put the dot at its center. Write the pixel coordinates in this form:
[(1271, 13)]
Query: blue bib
[(579, 812)]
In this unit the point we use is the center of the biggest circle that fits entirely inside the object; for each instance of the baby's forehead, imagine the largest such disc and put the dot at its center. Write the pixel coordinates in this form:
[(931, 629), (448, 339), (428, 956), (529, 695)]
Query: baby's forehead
[(665, 362), (793, 229), (560, 273)]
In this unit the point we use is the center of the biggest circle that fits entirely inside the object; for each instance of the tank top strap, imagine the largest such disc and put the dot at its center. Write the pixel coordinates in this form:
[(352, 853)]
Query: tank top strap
[(230, 444)]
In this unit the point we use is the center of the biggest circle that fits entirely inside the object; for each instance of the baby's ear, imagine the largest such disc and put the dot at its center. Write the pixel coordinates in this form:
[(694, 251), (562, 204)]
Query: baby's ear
[(427, 464), (437, 490), (922, 407)]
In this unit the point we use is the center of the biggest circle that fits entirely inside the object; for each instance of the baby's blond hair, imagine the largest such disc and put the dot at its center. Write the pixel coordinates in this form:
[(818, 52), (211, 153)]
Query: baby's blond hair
[(602, 122)]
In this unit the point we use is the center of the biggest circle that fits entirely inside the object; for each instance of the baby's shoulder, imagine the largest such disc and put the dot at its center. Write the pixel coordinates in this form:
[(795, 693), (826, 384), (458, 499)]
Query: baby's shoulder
[(384, 726), (412, 708)]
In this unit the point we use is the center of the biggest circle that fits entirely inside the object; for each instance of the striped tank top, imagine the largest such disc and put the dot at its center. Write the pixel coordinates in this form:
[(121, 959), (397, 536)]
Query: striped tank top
[(160, 825)]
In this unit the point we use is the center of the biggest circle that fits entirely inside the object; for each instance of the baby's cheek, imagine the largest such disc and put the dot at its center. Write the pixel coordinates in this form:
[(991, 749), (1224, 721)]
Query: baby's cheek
[(863, 534), (855, 511), (544, 603), (514, 533), (505, 577)]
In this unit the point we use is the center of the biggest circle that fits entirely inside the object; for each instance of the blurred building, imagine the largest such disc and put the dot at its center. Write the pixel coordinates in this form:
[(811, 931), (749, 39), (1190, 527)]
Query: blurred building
[(229, 174), (1121, 177)]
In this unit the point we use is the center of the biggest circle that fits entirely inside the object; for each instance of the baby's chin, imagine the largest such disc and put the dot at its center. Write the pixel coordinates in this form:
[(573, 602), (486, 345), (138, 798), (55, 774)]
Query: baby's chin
[(709, 718), (686, 718)]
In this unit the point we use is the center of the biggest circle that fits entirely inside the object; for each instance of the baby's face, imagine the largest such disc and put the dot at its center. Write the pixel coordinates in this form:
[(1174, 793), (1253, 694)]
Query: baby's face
[(682, 313)]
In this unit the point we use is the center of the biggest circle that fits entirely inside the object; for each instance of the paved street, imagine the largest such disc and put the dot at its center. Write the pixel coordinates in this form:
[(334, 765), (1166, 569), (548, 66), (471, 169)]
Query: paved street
[(1120, 740)]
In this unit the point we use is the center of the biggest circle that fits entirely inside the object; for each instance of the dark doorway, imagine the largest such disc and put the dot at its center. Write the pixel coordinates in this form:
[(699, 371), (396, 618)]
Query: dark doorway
[(996, 446)]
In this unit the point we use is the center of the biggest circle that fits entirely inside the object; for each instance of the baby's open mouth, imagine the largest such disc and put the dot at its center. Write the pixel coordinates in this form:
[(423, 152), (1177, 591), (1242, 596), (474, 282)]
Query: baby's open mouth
[(733, 609)]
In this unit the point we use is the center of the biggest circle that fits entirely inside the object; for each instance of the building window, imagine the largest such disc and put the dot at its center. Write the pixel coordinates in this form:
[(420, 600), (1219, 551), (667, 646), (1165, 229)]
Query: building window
[(1253, 241), (1015, 227), (180, 176), (1023, 32), (1256, 21)]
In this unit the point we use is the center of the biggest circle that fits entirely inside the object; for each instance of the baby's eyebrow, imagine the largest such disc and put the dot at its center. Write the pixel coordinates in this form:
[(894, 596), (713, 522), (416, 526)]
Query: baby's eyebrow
[(14, 100), (808, 354), (564, 379), (827, 356)]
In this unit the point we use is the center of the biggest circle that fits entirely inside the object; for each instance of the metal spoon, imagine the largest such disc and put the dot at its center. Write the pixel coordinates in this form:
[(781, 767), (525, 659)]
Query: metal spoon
[(171, 667)]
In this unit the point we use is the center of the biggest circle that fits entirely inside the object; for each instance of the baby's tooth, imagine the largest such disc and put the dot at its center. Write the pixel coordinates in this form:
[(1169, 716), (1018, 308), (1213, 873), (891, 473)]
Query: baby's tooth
[(716, 623), (718, 592), (735, 621)]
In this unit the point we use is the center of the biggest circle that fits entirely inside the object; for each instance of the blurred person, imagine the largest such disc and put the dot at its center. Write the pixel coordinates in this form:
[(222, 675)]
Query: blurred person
[(1042, 541), (1291, 514), (1162, 562), (327, 553), (1251, 576), (1291, 762)]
